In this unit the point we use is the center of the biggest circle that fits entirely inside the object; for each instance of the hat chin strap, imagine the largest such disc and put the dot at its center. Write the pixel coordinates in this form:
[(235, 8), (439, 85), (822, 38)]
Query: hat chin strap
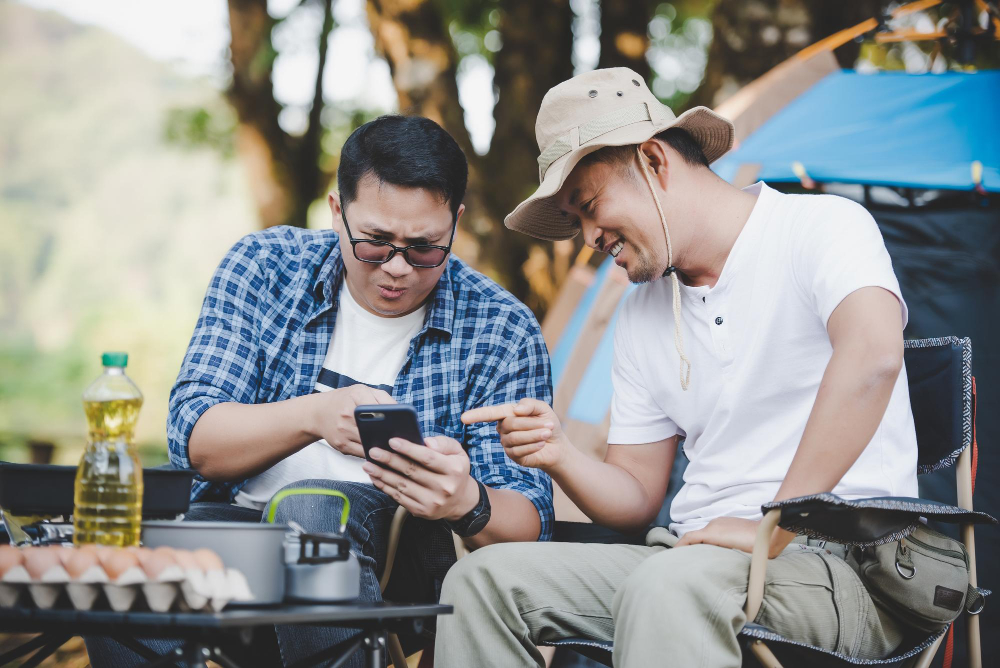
[(685, 367)]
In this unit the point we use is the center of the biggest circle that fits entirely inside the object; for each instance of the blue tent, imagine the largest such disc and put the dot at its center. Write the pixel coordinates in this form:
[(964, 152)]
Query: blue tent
[(890, 128)]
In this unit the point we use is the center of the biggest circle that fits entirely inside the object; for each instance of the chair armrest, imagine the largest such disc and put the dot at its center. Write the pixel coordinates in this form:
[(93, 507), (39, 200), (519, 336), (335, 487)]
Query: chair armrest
[(585, 532), (395, 530), (865, 522), (758, 563)]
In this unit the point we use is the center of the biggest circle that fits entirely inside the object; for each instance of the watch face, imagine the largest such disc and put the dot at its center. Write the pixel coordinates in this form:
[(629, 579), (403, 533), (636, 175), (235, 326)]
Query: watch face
[(478, 524), (478, 517)]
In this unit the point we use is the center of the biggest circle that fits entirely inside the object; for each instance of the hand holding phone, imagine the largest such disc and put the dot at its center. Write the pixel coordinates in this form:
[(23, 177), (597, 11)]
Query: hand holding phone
[(431, 480), (380, 422)]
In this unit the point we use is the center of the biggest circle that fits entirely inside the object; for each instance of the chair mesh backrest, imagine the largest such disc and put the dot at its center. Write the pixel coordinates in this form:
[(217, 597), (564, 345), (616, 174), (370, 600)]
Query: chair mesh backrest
[(939, 374)]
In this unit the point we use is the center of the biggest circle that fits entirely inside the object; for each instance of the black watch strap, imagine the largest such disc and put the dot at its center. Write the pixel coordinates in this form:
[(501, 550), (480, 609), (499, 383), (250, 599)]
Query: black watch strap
[(476, 519)]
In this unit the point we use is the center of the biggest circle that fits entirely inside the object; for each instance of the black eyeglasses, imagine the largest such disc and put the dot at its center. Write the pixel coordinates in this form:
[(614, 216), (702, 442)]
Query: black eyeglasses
[(422, 256)]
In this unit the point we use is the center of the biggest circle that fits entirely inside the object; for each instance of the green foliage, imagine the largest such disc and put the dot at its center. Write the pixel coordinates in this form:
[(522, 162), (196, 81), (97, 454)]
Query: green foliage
[(199, 126), (110, 232), (473, 26), (679, 36)]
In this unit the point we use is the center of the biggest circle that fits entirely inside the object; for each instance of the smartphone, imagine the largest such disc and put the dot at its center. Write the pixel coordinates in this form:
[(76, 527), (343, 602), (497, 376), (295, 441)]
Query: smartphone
[(380, 422)]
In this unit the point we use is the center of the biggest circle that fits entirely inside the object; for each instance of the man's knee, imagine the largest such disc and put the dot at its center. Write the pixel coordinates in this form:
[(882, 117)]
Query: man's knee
[(488, 570), (684, 579)]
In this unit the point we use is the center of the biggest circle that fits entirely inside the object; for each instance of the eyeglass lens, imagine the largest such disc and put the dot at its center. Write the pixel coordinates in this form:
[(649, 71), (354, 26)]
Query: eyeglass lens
[(376, 251)]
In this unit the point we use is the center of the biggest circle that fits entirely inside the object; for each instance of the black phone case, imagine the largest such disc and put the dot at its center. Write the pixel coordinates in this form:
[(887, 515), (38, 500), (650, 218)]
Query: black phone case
[(380, 422)]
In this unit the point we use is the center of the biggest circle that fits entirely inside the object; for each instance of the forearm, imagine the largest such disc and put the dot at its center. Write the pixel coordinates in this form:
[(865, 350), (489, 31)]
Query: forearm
[(849, 406), (512, 518), (605, 492), (233, 441)]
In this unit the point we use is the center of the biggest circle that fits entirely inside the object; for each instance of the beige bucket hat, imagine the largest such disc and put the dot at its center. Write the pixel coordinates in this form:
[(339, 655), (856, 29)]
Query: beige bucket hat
[(609, 107)]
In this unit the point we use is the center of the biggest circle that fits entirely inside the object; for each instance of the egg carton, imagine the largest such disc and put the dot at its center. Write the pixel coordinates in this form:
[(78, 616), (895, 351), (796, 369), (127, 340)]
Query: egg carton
[(165, 579)]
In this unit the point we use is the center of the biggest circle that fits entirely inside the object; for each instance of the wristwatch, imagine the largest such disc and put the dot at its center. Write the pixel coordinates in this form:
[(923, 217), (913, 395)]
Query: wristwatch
[(476, 519)]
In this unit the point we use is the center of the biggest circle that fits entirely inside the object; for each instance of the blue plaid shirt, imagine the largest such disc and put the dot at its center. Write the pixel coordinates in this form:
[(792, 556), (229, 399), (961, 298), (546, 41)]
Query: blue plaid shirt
[(267, 321)]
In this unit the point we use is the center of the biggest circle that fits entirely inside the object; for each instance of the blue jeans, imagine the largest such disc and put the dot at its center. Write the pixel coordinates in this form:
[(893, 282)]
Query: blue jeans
[(424, 555)]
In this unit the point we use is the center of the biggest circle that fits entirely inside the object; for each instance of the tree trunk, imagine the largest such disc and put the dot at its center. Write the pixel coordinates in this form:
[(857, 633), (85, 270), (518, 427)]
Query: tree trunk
[(284, 171), (625, 34), (752, 36), (412, 37), (536, 55), (309, 180)]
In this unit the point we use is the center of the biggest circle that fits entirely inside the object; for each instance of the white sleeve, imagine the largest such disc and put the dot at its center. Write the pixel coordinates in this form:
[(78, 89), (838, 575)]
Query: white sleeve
[(841, 250), (635, 416)]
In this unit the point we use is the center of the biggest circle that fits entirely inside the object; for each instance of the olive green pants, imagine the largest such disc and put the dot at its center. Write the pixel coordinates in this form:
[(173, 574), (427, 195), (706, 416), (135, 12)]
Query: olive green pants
[(661, 606)]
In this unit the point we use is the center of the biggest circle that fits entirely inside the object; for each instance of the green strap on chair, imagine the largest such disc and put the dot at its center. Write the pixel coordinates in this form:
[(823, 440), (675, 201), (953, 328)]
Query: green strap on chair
[(306, 491)]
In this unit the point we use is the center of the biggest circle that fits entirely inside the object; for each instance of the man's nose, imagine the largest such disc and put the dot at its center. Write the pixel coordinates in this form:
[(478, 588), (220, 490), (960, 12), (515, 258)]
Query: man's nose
[(592, 235), (397, 267)]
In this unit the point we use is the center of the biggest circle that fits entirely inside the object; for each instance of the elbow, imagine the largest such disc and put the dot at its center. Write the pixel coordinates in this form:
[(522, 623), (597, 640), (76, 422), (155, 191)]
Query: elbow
[(202, 461), (640, 522), (887, 363), (882, 364)]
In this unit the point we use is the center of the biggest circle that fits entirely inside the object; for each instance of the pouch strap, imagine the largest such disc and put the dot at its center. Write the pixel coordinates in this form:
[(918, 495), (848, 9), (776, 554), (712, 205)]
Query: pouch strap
[(975, 600)]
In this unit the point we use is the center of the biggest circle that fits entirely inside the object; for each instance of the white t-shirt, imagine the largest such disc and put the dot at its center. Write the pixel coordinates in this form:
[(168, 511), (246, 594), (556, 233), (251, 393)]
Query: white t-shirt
[(758, 347), (365, 348)]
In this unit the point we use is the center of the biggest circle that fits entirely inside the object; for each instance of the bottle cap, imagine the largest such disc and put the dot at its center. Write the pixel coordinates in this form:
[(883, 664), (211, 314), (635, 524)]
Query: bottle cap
[(114, 359)]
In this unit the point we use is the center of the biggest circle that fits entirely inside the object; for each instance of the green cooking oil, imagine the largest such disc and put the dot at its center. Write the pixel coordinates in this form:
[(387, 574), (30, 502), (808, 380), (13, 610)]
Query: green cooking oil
[(107, 508)]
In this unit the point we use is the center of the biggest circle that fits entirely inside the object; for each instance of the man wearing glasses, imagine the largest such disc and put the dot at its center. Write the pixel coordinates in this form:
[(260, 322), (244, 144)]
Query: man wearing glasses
[(300, 326)]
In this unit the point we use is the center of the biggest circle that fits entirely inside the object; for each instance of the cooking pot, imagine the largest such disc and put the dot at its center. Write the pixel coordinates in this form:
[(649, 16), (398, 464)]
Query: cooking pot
[(256, 550)]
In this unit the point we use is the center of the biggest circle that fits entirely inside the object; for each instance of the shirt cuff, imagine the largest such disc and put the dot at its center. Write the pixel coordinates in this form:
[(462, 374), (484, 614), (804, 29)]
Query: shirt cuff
[(827, 309), (186, 415), (621, 435)]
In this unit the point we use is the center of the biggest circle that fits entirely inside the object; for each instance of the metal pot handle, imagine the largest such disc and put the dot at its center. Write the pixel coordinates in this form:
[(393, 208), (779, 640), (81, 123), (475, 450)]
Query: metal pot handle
[(310, 490), (317, 539)]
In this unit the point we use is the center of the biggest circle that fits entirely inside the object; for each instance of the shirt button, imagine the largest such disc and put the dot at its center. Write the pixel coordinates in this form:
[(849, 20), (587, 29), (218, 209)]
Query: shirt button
[(718, 321)]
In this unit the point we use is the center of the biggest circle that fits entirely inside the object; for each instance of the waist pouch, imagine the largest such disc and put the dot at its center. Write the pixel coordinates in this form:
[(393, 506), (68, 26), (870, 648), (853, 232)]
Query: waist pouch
[(922, 579)]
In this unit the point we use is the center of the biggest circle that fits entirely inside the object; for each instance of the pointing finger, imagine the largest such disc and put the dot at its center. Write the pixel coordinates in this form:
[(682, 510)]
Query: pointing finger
[(488, 414)]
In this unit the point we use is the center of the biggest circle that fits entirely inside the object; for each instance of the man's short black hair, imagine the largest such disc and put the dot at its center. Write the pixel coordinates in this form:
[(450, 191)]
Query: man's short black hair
[(407, 151), (623, 157)]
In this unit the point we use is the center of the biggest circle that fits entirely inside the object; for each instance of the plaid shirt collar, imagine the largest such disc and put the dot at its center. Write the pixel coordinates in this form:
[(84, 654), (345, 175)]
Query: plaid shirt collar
[(440, 315)]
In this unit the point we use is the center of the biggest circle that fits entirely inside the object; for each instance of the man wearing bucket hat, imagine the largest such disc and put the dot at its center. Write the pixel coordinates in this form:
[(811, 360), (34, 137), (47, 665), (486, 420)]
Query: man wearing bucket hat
[(767, 334)]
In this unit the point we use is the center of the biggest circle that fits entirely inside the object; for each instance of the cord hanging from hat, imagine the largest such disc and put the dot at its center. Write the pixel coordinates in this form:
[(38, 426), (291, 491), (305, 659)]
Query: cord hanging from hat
[(685, 368)]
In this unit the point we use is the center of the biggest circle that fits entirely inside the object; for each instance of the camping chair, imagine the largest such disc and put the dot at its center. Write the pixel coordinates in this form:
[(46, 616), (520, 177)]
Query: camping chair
[(942, 395), (396, 654)]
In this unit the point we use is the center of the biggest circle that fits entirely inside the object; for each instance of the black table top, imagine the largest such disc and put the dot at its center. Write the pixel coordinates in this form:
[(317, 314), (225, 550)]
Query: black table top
[(231, 618)]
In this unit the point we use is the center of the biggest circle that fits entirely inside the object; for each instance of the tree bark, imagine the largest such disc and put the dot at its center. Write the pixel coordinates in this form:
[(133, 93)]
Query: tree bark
[(625, 34), (752, 36), (413, 38), (284, 171), (536, 55), (309, 180)]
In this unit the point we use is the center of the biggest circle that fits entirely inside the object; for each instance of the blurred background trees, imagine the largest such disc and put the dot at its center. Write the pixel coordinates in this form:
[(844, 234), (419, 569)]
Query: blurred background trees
[(123, 180), (692, 51)]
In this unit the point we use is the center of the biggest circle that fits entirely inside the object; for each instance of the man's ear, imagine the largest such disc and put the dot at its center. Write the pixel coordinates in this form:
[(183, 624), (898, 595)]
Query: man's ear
[(333, 199), (458, 215), (656, 161)]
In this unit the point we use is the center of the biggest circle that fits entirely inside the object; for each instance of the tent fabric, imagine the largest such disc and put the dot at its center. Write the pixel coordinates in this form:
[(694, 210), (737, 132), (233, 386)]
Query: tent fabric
[(889, 128), (564, 348), (593, 398)]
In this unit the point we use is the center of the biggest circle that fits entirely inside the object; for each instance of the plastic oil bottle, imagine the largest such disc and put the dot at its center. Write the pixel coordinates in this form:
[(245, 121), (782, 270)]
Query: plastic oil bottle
[(107, 507)]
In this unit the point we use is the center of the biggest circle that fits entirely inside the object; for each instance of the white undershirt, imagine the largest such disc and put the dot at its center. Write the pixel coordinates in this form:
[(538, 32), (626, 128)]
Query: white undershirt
[(365, 348), (758, 346)]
